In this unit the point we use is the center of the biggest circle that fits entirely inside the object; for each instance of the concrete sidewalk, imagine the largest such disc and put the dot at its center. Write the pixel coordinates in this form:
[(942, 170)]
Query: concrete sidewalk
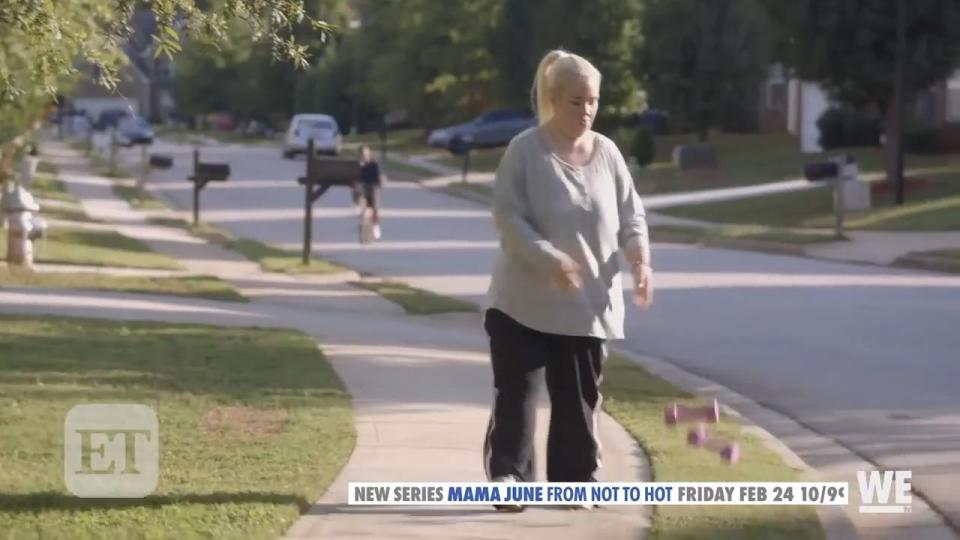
[(421, 386)]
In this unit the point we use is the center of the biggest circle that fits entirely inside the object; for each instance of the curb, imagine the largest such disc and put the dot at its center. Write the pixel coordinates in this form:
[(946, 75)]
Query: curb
[(763, 246), (927, 262)]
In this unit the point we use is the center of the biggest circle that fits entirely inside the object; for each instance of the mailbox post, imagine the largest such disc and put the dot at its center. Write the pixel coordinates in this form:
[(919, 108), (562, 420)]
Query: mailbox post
[(836, 171), (462, 146), (322, 174), (203, 173)]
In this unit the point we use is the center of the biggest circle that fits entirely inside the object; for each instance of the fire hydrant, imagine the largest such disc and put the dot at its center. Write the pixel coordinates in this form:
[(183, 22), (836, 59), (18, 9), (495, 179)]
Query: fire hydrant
[(22, 226)]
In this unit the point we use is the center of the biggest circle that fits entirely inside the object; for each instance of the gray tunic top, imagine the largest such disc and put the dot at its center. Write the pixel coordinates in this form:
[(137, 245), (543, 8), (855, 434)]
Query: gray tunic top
[(545, 210)]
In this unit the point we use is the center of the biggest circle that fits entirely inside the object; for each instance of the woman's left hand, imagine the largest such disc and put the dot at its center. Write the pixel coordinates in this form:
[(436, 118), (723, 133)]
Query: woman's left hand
[(643, 285)]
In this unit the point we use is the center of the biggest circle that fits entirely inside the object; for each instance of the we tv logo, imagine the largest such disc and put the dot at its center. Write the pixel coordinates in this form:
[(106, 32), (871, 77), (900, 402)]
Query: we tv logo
[(876, 488)]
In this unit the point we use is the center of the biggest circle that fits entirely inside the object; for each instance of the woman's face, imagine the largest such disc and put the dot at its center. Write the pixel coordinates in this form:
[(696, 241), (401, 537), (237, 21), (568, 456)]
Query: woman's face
[(575, 106)]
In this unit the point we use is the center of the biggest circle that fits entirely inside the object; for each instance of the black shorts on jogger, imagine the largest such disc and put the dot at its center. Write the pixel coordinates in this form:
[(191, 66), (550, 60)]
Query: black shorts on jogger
[(573, 368)]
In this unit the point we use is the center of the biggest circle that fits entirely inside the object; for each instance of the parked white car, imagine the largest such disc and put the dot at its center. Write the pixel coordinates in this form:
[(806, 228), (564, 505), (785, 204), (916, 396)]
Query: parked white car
[(322, 128)]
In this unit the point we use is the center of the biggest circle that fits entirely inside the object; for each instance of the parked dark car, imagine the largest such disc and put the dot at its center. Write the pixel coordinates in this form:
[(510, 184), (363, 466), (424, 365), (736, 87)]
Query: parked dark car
[(132, 130), (492, 129), (656, 119), (109, 118)]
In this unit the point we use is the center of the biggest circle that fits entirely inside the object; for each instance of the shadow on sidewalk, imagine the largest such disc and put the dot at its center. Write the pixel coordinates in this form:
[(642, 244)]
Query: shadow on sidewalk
[(49, 500)]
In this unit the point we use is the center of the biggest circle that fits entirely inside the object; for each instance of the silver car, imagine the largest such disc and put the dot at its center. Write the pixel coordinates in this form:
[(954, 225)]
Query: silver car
[(322, 128)]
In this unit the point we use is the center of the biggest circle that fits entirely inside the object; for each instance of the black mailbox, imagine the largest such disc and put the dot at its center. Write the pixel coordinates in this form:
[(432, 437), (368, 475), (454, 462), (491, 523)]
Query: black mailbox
[(322, 174), (460, 145), (202, 174), (161, 162), (824, 170), (211, 172), (331, 172)]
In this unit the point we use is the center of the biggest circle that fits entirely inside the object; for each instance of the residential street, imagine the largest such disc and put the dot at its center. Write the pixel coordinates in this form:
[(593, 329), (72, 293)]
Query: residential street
[(865, 355)]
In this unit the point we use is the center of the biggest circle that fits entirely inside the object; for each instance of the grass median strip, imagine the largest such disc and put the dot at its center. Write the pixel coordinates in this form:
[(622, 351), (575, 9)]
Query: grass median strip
[(932, 203), (48, 186), (96, 248), (269, 258), (482, 193), (636, 399), (206, 287), (399, 170), (136, 197), (415, 301), (481, 160), (941, 260), (253, 426), (747, 237)]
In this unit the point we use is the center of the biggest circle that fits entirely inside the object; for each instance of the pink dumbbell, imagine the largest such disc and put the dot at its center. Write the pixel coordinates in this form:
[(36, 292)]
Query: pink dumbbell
[(675, 414), (728, 450)]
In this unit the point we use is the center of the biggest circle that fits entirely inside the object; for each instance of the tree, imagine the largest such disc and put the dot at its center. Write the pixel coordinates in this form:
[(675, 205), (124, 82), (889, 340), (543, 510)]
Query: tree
[(702, 60), (850, 48), (241, 74), (526, 30), (431, 62), (41, 41)]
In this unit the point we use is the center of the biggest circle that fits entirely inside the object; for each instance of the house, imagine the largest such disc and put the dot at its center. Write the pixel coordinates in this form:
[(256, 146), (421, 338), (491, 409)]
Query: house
[(940, 105), (146, 81), (790, 105), (132, 92)]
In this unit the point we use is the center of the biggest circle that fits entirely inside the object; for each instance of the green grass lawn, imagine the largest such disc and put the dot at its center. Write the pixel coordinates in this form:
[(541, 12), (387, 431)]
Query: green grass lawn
[(96, 248), (272, 259), (399, 170), (693, 234), (207, 287), (198, 137), (69, 213), (269, 258), (48, 186), (411, 141), (748, 159), (941, 260), (636, 399), (467, 190), (45, 167), (944, 253), (481, 160), (136, 197), (416, 301), (254, 425), (932, 203)]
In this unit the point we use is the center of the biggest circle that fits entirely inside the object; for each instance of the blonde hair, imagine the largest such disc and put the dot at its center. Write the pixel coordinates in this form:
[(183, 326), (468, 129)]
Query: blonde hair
[(558, 69)]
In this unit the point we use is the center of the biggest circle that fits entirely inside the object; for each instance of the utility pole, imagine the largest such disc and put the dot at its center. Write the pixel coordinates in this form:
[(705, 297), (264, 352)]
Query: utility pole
[(898, 98)]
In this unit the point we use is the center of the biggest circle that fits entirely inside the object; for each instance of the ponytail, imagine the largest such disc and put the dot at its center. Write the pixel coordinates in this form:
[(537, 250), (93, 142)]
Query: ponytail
[(556, 65), (542, 90)]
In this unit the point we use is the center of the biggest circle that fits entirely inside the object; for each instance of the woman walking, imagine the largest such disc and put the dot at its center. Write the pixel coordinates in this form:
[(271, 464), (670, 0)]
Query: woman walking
[(565, 206)]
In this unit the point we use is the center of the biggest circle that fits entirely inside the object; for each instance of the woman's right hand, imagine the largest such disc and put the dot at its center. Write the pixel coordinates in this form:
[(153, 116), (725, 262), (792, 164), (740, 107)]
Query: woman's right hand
[(567, 274)]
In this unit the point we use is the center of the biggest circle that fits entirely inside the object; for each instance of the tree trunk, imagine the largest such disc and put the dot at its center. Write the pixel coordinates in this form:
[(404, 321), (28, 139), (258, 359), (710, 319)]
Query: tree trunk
[(890, 141), (895, 150)]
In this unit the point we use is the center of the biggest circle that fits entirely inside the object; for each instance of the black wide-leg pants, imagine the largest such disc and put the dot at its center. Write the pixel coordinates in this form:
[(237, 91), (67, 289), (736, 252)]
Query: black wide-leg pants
[(573, 366)]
